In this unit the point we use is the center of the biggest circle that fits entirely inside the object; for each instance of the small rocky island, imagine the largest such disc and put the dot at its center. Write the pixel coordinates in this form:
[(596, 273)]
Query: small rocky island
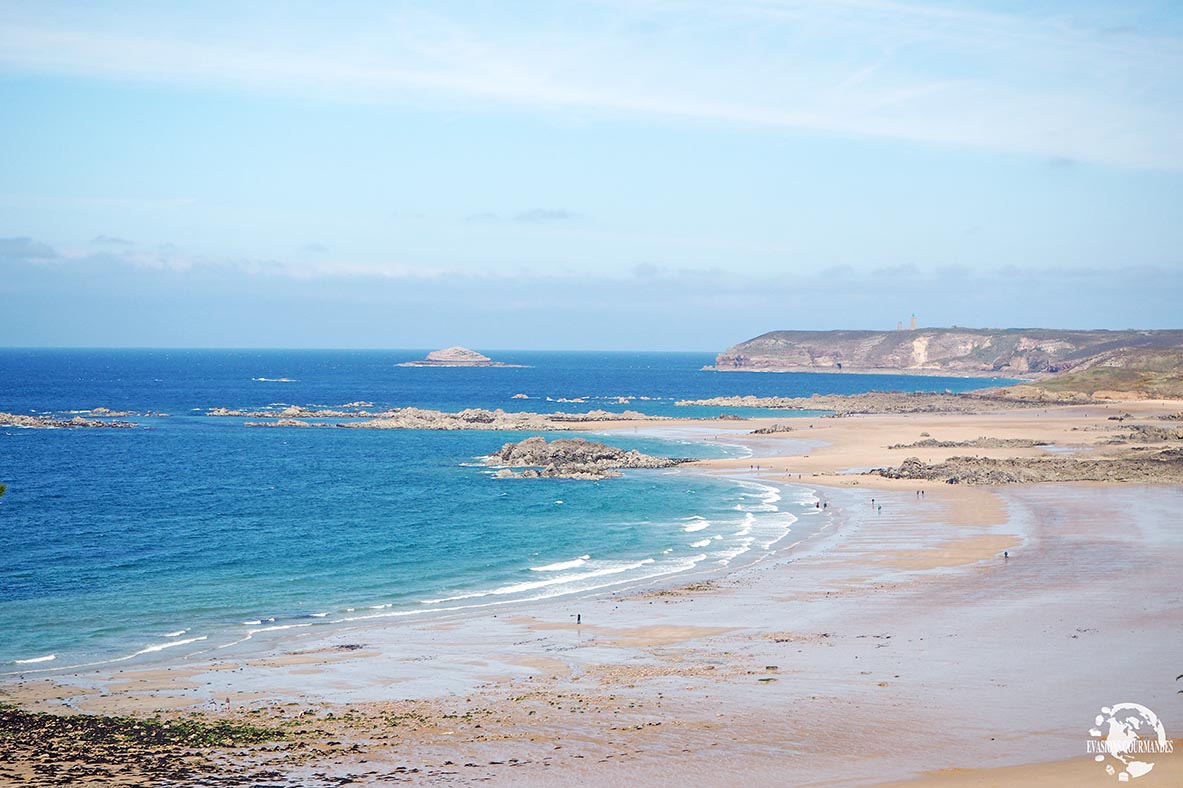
[(456, 357), (570, 458)]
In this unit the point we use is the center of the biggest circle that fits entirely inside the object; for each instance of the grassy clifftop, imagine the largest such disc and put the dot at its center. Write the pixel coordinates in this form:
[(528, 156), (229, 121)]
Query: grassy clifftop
[(1151, 373)]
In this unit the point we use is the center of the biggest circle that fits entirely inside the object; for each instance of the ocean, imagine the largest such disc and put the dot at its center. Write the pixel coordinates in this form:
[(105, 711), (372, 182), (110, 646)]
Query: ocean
[(193, 532)]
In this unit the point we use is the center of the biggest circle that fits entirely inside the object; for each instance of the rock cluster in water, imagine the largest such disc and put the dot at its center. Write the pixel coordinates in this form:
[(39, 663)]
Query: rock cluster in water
[(423, 419), (54, 423), (456, 357), (570, 458)]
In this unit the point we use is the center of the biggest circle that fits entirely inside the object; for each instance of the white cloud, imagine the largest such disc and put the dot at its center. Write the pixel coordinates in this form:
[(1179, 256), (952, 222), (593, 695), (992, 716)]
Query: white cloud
[(1034, 83)]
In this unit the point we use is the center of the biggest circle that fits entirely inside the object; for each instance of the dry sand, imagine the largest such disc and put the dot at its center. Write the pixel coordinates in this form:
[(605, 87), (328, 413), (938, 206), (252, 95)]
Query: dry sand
[(893, 644)]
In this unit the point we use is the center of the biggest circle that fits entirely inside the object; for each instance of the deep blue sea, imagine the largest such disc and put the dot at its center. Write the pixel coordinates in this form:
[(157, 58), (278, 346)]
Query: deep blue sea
[(193, 531)]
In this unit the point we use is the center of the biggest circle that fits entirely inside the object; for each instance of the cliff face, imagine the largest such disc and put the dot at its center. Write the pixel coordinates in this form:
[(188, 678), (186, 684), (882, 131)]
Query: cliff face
[(952, 351)]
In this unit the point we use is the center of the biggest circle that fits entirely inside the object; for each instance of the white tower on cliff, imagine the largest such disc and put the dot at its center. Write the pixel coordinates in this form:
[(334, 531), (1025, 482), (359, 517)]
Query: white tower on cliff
[(913, 326)]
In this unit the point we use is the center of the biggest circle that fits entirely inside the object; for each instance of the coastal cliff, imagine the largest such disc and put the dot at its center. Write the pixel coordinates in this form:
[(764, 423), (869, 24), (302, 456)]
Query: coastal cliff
[(1011, 352)]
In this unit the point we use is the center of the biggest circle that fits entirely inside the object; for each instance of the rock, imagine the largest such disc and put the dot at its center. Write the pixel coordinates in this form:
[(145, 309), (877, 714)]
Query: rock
[(423, 419), (456, 357), (977, 443), (775, 428), (882, 402), (51, 423), (570, 458), (1161, 466)]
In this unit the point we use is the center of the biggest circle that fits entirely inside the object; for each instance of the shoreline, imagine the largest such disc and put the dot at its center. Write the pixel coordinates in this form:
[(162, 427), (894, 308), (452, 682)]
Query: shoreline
[(715, 664), (158, 655)]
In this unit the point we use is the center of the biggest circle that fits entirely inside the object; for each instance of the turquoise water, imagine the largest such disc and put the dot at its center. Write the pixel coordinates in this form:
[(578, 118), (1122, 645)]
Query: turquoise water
[(194, 531)]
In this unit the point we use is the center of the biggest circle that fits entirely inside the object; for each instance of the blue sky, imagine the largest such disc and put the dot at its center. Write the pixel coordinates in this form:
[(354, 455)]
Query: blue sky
[(650, 174)]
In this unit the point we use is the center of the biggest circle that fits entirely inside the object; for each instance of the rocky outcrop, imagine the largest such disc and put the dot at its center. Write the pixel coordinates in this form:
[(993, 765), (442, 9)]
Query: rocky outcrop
[(771, 430), (423, 419), (1161, 466), (977, 443), (456, 357), (1145, 433), (880, 402), (945, 351), (53, 423), (570, 458)]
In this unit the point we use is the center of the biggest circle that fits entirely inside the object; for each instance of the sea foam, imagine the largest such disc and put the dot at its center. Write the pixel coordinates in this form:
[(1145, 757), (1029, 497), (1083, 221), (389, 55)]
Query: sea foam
[(46, 658), (561, 565)]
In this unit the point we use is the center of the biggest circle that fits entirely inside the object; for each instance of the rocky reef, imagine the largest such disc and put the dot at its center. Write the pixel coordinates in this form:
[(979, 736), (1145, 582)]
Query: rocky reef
[(456, 357), (570, 458), (976, 443), (54, 423), (1150, 466), (885, 402), (424, 419)]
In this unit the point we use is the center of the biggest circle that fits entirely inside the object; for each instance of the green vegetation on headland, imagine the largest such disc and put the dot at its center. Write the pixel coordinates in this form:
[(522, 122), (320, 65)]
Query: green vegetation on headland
[(1151, 373)]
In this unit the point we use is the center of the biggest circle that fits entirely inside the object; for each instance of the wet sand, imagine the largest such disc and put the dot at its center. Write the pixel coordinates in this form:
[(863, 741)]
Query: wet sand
[(893, 644)]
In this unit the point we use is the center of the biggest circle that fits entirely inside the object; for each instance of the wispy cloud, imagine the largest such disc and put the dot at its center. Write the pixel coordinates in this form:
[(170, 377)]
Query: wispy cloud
[(545, 215), (1039, 83), (531, 216), (25, 248), (98, 299), (110, 240)]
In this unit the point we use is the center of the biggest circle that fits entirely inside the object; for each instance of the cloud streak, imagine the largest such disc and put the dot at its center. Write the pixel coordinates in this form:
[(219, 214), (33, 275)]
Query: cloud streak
[(1034, 84), (26, 249), (98, 299)]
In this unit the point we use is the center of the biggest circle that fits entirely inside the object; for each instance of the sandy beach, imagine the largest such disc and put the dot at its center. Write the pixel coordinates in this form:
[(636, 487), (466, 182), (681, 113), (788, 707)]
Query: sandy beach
[(887, 642)]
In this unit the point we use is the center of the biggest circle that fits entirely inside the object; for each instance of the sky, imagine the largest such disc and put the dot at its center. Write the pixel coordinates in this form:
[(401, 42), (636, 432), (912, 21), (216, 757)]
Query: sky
[(599, 174)]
